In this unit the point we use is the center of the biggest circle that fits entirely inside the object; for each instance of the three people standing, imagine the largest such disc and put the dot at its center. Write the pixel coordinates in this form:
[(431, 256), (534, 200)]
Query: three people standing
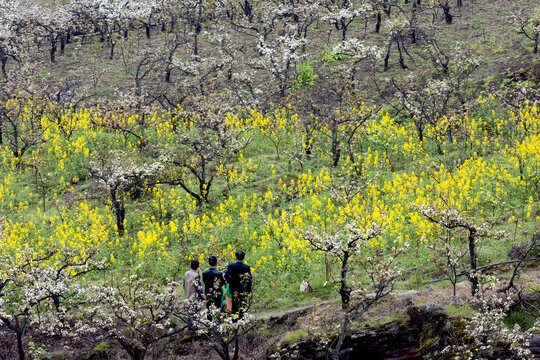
[(238, 276)]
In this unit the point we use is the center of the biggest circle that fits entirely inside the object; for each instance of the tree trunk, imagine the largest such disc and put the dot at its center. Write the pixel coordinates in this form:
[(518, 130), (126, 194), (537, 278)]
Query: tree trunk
[(472, 253), (120, 212), (4, 71), (111, 55), (387, 57), (308, 146), (195, 44), (62, 44), (203, 190), (378, 24), (334, 354), (147, 28), (236, 345), (224, 353), (134, 352), (53, 49), (401, 60), (357, 167), (420, 130), (20, 345), (448, 17), (336, 153), (344, 290)]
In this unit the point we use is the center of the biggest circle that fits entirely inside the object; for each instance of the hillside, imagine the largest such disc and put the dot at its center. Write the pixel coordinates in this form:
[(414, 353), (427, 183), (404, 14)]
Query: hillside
[(386, 152)]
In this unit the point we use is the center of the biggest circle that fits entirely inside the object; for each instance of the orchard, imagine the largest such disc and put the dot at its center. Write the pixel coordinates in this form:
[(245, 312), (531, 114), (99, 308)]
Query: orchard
[(345, 143)]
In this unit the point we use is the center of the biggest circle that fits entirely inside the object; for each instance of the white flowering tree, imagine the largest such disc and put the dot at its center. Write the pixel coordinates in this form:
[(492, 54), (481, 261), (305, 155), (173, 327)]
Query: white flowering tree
[(280, 57), (145, 12), (385, 6), (117, 173), (135, 312), (445, 6), (12, 34), (116, 18), (447, 252), (222, 330), (251, 17), (357, 247), (206, 141), (454, 220), (198, 73), (342, 13), (20, 127), (33, 283), (195, 14), (400, 28), (343, 125), (529, 26), (87, 18), (300, 13), (428, 99), (485, 334), (54, 24), (358, 52)]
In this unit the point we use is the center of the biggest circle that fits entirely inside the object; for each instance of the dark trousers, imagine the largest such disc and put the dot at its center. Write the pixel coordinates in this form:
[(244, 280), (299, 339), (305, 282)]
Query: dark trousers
[(215, 299), (239, 301)]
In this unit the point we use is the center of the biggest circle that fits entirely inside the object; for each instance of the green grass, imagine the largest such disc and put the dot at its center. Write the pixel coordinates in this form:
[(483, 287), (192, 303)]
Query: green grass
[(524, 317), (294, 336), (460, 310)]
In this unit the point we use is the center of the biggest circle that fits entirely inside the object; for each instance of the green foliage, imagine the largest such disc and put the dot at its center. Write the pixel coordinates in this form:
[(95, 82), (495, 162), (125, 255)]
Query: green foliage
[(330, 57), (294, 336), (521, 316), (306, 75)]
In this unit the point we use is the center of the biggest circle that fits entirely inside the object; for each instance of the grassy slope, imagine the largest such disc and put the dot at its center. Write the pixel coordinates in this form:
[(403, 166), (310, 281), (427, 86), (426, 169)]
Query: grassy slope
[(483, 25)]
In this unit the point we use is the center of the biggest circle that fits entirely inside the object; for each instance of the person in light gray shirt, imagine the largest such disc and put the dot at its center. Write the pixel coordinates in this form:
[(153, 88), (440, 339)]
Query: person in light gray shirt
[(192, 281)]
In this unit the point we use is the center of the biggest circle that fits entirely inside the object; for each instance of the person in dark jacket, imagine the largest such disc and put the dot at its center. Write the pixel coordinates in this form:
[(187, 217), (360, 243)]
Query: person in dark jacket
[(213, 282), (238, 275)]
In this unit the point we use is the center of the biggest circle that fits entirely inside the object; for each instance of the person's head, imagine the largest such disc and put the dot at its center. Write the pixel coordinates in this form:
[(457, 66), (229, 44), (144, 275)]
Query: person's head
[(212, 260), (194, 264), (240, 255)]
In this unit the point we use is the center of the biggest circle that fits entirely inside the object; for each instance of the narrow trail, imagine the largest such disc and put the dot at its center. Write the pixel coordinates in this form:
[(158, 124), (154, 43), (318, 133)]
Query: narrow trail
[(299, 311), (438, 296)]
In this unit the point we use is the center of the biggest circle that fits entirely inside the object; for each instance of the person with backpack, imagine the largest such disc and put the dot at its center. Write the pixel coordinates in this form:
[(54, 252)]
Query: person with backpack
[(239, 278), (213, 283)]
